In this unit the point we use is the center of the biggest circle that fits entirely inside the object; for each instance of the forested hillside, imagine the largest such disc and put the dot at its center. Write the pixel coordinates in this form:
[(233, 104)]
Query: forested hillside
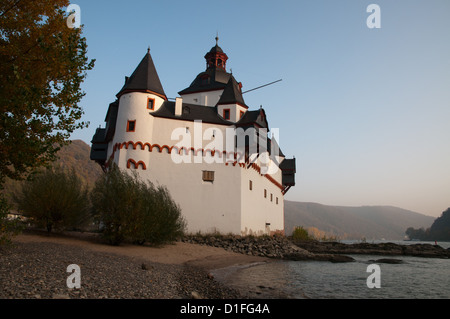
[(369, 222)]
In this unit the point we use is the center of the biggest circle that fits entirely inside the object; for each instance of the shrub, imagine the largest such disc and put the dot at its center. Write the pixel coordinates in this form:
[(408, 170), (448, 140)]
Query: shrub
[(54, 199), (127, 208), (8, 227), (301, 234)]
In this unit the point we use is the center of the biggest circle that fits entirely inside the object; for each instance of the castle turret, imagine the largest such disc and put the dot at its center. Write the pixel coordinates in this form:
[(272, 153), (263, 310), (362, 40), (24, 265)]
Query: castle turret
[(231, 105), (141, 94)]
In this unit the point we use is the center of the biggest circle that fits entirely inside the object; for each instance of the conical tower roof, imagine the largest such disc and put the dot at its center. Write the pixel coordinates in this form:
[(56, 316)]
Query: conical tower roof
[(144, 79), (232, 93)]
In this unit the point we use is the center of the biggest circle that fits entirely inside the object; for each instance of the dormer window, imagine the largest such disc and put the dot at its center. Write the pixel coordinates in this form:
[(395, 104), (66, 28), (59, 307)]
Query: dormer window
[(226, 114), (151, 104)]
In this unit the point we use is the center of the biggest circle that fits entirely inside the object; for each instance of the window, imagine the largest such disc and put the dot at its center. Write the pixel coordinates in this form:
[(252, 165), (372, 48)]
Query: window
[(131, 126), (265, 193), (226, 114), (242, 114), (276, 200), (271, 197), (208, 176), (151, 104), (250, 185)]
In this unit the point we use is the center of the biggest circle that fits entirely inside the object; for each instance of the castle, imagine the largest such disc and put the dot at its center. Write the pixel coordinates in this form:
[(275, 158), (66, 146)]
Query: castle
[(215, 155)]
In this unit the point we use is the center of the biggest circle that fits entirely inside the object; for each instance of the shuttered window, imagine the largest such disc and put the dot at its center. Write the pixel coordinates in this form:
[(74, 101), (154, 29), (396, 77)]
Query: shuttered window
[(208, 176)]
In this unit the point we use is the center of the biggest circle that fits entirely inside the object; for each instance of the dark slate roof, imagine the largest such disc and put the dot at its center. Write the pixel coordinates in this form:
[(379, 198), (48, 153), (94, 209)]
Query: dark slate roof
[(216, 49), (288, 165), (99, 147), (269, 146), (251, 118), (191, 112), (111, 119), (288, 168), (144, 78), (232, 93), (210, 80)]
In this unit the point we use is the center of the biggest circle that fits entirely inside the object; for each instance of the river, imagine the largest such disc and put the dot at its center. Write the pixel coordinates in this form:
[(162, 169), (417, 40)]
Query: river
[(415, 278)]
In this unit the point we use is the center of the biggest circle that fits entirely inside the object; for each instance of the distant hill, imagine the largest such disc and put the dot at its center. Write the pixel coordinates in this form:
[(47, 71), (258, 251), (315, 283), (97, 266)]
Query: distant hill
[(370, 222), (75, 155)]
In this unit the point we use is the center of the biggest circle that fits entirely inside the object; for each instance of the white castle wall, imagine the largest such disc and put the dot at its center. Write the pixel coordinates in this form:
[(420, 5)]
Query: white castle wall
[(226, 205)]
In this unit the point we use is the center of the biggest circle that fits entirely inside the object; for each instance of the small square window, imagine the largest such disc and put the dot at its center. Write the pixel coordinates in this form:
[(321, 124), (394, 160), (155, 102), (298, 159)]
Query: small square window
[(208, 176), (131, 126), (151, 104), (226, 114)]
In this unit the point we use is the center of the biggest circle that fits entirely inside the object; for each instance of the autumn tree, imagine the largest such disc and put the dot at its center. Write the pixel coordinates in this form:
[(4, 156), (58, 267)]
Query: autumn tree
[(43, 63)]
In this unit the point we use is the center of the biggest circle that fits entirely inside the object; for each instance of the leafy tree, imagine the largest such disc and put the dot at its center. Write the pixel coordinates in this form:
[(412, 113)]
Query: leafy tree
[(440, 230), (42, 66), (129, 209), (55, 199)]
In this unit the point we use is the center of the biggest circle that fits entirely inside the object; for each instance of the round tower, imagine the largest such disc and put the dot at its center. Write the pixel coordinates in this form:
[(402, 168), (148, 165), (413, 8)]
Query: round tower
[(141, 95)]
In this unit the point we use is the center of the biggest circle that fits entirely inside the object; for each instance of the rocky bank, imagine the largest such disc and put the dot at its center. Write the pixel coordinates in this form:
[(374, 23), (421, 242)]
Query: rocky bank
[(280, 247)]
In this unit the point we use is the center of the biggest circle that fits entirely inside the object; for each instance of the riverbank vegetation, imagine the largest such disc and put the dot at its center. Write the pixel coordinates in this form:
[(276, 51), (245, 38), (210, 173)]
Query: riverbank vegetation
[(439, 230)]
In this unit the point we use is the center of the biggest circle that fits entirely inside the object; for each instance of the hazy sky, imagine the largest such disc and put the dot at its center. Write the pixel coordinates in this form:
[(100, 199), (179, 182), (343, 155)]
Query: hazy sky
[(366, 112)]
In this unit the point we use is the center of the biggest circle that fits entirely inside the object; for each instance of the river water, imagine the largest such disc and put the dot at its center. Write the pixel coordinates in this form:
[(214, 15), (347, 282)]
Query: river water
[(416, 278)]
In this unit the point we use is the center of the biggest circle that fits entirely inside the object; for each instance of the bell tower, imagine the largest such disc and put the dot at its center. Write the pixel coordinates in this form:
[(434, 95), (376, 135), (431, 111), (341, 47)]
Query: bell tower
[(216, 58)]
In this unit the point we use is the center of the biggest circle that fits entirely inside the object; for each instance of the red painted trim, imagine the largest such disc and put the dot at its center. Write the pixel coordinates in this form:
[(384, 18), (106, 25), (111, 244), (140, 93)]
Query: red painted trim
[(136, 164), (142, 91), (231, 157)]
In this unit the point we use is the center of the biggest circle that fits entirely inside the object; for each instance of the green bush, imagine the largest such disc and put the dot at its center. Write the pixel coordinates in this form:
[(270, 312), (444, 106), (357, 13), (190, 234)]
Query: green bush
[(54, 199), (127, 208), (301, 234)]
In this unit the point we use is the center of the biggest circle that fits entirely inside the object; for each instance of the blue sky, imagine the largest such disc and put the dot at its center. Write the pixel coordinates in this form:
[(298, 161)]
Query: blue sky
[(366, 112)]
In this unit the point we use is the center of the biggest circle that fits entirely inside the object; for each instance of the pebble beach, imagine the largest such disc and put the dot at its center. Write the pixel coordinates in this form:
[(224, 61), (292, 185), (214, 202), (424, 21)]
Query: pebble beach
[(35, 267)]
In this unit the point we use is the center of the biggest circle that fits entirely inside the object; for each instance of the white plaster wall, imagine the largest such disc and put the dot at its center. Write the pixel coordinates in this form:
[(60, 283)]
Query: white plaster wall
[(133, 107), (235, 111), (207, 207), (257, 210), (209, 98)]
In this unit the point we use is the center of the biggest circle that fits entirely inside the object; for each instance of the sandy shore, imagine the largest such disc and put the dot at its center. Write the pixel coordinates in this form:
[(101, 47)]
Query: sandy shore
[(206, 257), (36, 268)]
